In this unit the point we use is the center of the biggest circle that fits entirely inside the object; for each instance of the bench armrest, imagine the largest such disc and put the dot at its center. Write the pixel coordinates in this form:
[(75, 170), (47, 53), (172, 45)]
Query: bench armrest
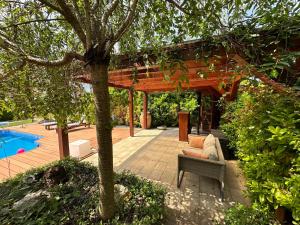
[(216, 162)]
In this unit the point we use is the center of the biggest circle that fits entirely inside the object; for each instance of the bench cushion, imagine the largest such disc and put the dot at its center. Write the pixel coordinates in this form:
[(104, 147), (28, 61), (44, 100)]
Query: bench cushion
[(195, 152), (209, 141), (196, 141), (208, 153), (211, 152)]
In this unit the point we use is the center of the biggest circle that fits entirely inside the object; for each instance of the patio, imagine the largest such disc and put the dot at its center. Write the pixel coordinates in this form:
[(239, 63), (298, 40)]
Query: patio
[(152, 154), (48, 150)]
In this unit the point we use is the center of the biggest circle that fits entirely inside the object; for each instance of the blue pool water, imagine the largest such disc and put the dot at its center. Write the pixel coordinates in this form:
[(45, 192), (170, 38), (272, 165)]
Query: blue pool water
[(11, 141)]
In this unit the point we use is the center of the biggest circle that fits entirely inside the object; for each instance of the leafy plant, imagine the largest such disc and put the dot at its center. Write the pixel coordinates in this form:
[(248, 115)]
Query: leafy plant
[(240, 214), (75, 200), (265, 128)]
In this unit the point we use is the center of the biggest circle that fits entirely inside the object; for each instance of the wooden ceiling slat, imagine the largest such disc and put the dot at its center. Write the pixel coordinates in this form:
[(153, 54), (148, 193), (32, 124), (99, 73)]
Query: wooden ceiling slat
[(151, 78), (164, 89), (191, 64), (191, 84), (160, 80), (191, 72)]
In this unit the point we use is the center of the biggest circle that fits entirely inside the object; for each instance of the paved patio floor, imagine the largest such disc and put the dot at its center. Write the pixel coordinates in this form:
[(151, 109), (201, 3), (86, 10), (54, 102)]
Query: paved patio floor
[(197, 201), (124, 149)]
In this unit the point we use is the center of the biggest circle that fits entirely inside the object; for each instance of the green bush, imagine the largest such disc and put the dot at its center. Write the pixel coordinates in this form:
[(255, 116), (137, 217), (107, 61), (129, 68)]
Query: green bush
[(242, 215), (164, 107), (6, 111), (265, 128), (75, 201), (6, 116)]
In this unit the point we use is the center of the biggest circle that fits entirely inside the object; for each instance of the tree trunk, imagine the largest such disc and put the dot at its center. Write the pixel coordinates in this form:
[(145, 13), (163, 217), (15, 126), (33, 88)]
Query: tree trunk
[(99, 73), (63, 142)]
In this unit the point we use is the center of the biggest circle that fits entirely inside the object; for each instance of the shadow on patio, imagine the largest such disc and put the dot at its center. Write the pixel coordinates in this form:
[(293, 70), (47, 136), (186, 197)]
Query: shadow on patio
[(197, 201)]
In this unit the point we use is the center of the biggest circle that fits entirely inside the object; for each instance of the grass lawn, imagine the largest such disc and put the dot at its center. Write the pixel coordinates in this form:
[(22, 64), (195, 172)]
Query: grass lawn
[(16, 123)]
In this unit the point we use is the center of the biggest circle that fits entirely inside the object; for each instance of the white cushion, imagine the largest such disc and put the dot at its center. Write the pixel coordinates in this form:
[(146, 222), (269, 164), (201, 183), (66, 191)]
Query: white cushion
[(209, 141), (211, 151)]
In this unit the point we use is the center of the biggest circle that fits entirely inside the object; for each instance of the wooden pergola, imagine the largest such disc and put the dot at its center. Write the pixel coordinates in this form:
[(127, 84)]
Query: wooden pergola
[(209, 76), (213, 74), (193, 66)]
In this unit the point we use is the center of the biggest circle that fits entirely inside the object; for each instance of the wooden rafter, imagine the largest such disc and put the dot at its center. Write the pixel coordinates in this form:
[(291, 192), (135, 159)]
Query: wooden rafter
[(189, 74)]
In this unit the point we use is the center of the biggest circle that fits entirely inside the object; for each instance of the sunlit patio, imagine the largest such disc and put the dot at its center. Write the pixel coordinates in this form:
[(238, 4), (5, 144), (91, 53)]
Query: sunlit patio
[(48, 150), (152, 154)]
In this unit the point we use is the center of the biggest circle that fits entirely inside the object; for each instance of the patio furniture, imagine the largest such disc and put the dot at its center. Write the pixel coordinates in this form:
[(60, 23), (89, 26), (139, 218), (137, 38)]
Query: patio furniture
[(77, 124), (184, 125), (48, 125), (203, 167), (80, 148)]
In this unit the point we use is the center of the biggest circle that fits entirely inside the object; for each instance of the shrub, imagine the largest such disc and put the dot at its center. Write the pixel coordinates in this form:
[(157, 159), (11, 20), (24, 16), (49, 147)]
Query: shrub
[(265, 128), (242, 215), (75, 199), (6, 110), (164, 107)]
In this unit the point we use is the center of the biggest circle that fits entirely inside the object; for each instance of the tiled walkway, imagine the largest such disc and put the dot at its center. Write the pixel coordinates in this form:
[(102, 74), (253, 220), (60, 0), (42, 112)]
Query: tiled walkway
[(197, 200), (48, 150), (127, 147)]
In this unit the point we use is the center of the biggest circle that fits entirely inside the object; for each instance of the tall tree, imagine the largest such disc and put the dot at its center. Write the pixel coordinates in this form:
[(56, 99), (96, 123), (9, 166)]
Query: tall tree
[(87, 31)]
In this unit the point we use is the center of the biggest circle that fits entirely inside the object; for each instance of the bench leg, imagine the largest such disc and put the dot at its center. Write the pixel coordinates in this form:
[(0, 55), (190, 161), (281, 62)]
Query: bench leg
[(179, 177), (222, 190)]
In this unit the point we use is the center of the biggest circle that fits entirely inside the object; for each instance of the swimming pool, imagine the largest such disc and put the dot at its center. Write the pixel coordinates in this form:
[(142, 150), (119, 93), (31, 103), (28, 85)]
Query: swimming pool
[(12, 141)]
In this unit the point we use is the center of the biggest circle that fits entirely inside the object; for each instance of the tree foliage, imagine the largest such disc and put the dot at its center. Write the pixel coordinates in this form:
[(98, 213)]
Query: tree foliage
[(49, 93)]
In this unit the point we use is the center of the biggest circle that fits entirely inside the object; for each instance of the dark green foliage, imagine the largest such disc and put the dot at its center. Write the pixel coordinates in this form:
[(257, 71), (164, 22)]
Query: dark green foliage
[(265, 128), (242, 215), (146, 206), (76, 200), (6, 112), (163, 107), (6, 115)]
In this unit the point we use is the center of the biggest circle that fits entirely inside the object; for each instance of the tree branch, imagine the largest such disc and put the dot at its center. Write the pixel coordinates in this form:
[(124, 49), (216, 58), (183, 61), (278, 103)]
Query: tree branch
[(65, 10), (108, 11), (76, 9), (123, 28), (87, 9), (96, 5), (32, 21), (6, 44), (16, 50), (68, 58), (178, 6), (52, 6)]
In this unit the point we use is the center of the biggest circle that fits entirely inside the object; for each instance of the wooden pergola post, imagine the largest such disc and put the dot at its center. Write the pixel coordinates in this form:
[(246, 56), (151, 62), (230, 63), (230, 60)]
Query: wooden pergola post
[(215, 112), (63, 142), (131, 125), (199, 111), (145, 110)]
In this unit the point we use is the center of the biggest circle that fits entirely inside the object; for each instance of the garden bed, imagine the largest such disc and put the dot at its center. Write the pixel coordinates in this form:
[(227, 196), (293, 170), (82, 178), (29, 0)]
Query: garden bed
[(66, 192)]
